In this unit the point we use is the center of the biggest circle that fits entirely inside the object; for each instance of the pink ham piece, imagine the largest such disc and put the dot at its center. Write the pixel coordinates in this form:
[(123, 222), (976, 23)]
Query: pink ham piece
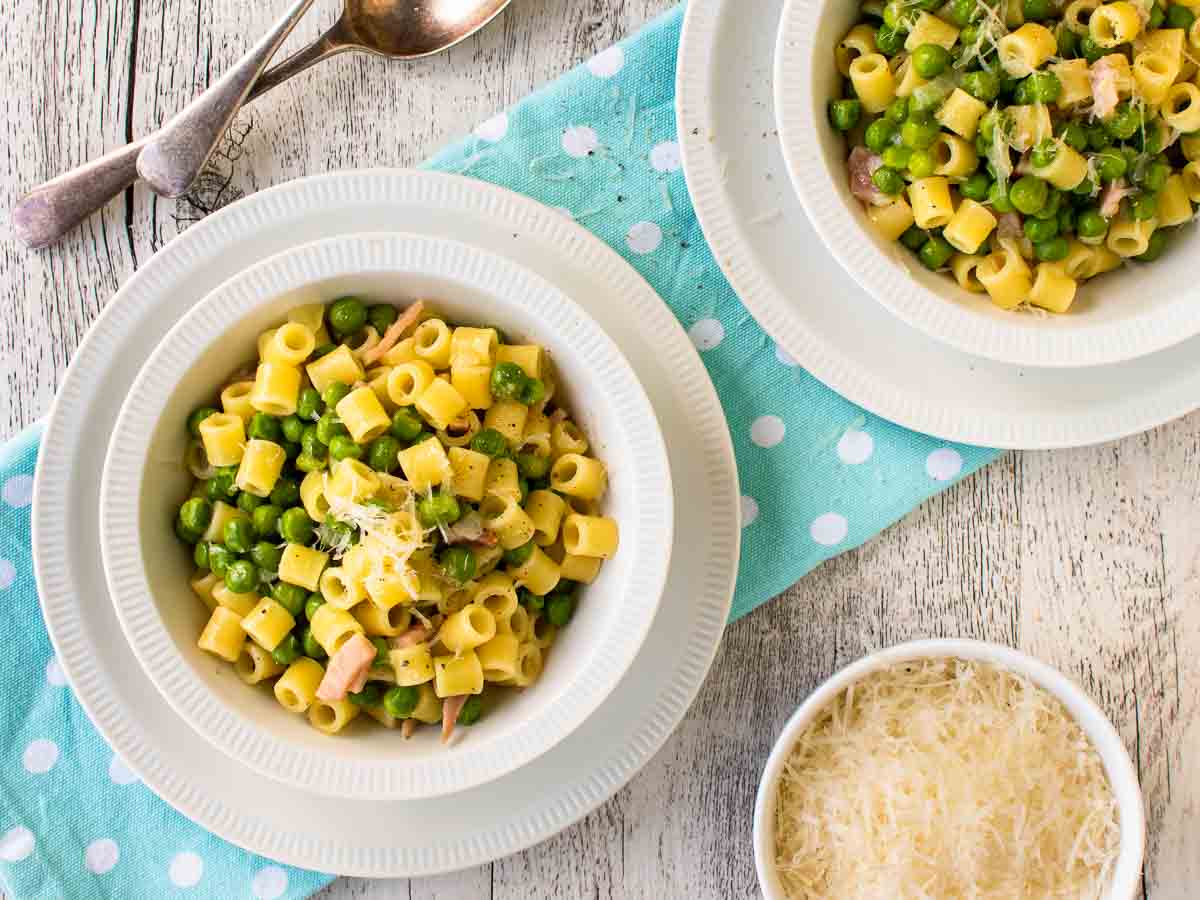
[(862, 165), (347, 669), (417, 634), (1110, 199), (392, 336), (451, 707), (407, 727), (1104, 88)]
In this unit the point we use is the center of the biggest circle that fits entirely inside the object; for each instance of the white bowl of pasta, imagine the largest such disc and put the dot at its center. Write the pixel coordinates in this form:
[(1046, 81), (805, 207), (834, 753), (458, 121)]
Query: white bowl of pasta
[(399, 523), (1054, 293)]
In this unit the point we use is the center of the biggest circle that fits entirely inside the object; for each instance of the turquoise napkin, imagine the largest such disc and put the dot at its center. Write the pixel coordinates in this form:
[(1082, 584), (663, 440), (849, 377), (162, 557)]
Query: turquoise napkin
[(819, 476)]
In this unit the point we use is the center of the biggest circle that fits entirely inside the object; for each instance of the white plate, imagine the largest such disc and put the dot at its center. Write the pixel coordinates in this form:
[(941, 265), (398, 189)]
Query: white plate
[(358, 837), (1137, 310), (776, 262), (148, 572)]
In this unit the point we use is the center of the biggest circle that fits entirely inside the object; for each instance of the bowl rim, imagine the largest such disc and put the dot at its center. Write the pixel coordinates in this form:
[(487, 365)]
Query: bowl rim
[(1013, 339), (229, 728), (1118, 766)]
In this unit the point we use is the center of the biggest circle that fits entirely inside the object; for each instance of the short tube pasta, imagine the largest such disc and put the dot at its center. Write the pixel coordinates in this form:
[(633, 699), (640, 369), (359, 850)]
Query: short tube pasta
[(590, 536)]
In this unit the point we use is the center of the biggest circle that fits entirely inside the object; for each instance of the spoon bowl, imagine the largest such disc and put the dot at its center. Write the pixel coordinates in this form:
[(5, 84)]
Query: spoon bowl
[(411, 30)]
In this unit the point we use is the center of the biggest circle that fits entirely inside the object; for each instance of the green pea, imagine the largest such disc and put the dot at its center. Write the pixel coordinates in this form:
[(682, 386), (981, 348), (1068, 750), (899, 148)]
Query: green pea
[(472, 710), (998, 198), (844, 114), (381, 316), (1028, 194), (323, 350), (338, 533), (888, 40), (1008, 86), (312, 647), (508, 381), (185, 534), (1044, 153), (220, 559), (1066, 219), (287, 651), (930, 60), (292, 428), (1090, 224), (382, 454), (918, 135), (197, 416), (406, 424), (381, 647), (458, 564), (921, 164), (935, 253), (1145, 207), (887, 180), (1037, 10), (295, 526), (315, 601), (291, 597), (1158, 243), (438, 509), (1110, 165), (879, 134), (897, 156), (1179, 17), (1090, 49), (248, 502), (1124, 121), (518, 556), (196, 514), (1156, 175), (896, 15), (1038, 230), (1082, 193), (285, 493), (200, 555), (964, 12), (1049, 209), (343, 447), (490, 442), (897, 111), (264, 428), (1158, 15), (242, 577), (1075, 136), (559, 609), (335, 394), (1068, 43), (346, 316), (220, 487), (976, 187), (265, 520), (1044, 87), (1052, 250), (370, 695), (308, 407), (400, 701), (266, 556), (533, 391), (311, 445), (238, 535)]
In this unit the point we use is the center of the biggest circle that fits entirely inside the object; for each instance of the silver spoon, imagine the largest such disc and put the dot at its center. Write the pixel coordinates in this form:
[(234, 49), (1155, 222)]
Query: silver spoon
[(400, 29)]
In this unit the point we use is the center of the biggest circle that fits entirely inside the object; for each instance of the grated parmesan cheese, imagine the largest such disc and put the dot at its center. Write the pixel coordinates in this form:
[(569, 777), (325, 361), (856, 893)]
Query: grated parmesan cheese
[(941, 779)]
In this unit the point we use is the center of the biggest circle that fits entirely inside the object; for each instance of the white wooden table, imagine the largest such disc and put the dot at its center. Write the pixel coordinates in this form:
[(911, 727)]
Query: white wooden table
[(1089, 559)]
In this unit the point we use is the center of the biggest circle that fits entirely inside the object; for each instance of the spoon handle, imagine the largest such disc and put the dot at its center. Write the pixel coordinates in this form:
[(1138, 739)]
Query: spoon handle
[(174, 156), (45, 215)]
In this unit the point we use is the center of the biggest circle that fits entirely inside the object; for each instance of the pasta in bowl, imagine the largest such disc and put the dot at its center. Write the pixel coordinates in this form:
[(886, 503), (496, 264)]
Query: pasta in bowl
[(414, 501), (1014, 178)]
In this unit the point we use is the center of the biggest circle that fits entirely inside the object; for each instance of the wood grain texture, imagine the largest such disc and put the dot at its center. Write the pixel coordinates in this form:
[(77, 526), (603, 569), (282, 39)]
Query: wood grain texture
[(1089, 558)]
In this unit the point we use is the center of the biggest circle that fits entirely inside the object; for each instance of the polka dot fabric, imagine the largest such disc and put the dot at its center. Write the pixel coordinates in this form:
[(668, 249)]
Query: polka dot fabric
[(819, 475), (75, 820)]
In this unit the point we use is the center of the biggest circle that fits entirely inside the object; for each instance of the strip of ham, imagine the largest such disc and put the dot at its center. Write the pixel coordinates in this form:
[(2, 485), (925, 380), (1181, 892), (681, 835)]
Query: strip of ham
[(347, 669), (407, 727), (451, 707), (1114, 193), (862, 164), (392, 336), (1104, 88), (417, 634)]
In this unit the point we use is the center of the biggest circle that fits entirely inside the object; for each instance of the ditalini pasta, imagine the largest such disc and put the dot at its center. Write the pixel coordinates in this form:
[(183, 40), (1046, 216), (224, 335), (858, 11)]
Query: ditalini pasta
[(1023, 146), (395, 515)]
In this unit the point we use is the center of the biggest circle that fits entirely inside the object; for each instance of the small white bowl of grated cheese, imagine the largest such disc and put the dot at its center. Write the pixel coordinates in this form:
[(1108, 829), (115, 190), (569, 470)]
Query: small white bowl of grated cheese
[(949, 768)]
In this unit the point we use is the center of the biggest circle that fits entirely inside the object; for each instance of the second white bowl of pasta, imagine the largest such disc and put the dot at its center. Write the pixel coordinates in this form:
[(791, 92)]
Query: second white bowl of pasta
[(378, 492), (1051, 284)]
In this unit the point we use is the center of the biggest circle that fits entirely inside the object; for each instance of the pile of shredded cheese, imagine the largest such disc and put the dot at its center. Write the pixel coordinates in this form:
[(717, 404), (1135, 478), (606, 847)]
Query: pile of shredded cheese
[(942, 779)]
